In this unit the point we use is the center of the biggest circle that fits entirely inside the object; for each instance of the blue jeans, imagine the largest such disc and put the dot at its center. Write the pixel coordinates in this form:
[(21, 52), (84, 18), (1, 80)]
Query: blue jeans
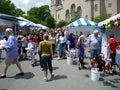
[(47, 64), (94, 53), (63, 48)]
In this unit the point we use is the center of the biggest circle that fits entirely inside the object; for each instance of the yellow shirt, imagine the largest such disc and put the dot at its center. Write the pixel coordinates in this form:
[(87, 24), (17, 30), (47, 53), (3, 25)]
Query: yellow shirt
[(45, 48)]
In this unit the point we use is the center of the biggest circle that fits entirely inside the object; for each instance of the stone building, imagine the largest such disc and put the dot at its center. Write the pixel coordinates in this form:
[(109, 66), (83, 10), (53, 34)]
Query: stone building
[(68, 9)]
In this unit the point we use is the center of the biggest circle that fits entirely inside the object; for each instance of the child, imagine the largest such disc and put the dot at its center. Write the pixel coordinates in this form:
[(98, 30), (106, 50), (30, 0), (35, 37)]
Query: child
[(2, 43), (58, 48), (80, 53), (32, 47)]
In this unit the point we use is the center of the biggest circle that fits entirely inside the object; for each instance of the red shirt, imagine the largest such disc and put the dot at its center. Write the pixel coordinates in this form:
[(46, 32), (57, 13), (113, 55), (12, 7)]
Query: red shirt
[(112, 44), (35, 39)]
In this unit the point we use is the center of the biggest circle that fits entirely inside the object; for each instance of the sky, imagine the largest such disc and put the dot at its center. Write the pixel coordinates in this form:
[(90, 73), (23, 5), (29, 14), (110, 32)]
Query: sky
[(25, 5)]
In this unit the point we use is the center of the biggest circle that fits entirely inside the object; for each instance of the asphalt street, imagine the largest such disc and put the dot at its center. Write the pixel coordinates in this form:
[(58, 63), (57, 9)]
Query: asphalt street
[(67, 77)]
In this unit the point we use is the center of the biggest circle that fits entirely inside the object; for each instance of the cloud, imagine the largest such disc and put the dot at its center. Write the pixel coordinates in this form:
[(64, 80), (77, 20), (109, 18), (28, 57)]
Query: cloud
[(25, 5)]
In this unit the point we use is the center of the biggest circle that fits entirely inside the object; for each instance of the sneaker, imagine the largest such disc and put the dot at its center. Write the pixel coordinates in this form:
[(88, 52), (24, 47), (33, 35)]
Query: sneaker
[(58, 58), (45, 78)]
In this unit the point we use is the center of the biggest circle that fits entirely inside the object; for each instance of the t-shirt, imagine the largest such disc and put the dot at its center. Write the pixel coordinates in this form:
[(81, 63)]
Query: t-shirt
[(94, 42), (72, 41), (112, 44), (45, 48)]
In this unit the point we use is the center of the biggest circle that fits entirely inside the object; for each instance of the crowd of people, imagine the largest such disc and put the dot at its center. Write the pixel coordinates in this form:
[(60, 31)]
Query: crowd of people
[(53, 43)]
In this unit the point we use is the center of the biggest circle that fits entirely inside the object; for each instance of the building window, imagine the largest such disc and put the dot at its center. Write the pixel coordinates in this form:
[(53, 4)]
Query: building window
[(79, 11), (58, 2), (73, 10), (96, 7), (67, 15), (109, 5)]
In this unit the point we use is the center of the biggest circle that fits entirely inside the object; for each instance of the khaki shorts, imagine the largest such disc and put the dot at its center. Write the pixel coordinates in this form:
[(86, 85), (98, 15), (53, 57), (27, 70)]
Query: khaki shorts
[(10, 61)]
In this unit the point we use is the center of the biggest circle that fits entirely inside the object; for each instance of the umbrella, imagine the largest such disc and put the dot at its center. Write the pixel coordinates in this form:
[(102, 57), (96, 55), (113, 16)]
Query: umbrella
[(82, 22)]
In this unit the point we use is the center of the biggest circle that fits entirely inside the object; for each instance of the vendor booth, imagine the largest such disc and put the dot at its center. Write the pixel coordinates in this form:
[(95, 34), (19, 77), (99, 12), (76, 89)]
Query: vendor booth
[(27, 25), (107, 27), (111, 26), (7, 21), (81, 24), (42, 26)]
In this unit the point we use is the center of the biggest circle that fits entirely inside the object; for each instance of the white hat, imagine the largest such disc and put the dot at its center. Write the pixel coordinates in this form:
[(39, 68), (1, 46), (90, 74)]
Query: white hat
[(8, 29)]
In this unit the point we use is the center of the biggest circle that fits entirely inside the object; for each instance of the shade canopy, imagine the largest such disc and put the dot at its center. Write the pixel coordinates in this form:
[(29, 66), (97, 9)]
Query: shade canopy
[(82, 22), (109, 19), (24, 22), (8, 17), (43, 27)]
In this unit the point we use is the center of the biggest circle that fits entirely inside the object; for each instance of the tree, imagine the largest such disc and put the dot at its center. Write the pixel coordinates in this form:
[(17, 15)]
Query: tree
[(41, 15), (7, 7), (40, 12), (32, 18), (101, 18), (18, 12), (33, 12), (61, 24), (50, 22)]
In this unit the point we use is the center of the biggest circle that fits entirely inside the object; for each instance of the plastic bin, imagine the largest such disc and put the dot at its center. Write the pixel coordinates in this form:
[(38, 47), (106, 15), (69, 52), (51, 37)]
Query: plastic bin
[(95, 75), (69, 61)]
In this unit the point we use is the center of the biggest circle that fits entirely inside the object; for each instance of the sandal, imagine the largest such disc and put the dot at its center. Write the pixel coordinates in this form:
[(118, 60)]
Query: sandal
[(2, 76)]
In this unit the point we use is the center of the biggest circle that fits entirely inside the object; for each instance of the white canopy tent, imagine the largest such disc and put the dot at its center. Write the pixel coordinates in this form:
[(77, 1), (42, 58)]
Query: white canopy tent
[(115, 30), (81, 24), (24, 22), (27, 25), (43, 27), (109, 19)]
